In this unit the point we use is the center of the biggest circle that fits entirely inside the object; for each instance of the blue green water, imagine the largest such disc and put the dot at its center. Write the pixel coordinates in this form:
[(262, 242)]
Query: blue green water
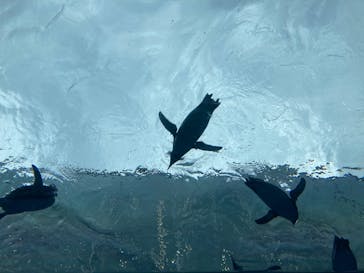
[(152, 221)]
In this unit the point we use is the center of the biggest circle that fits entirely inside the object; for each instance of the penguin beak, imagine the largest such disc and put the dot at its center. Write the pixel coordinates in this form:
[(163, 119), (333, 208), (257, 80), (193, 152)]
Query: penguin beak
[(172, 161), (170, 164)]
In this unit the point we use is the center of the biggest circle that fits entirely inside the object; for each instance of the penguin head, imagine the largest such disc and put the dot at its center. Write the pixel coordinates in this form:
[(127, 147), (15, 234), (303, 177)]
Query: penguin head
[(294, 220), (173, 159), (291, 214)]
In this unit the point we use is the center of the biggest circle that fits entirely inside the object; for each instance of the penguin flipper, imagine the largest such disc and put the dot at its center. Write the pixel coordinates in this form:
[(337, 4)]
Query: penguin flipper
[(266, 218), (203, 146), (38, 181), (298, 190), (172, 128)]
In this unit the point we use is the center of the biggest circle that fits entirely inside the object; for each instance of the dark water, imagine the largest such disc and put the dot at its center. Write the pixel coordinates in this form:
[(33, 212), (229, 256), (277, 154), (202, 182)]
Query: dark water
[(151, 221)]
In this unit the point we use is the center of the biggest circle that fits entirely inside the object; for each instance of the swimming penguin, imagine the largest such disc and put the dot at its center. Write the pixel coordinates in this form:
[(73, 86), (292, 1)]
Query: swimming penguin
[(30, 197), (343, 259), (191, 129), (276, 199), (239, 268)]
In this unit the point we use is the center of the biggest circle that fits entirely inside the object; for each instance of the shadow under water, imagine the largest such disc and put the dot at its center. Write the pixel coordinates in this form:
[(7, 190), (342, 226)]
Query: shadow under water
[(150, 221)]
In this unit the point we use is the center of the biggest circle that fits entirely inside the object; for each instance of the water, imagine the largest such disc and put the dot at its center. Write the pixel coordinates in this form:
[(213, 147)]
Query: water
[(152, 221), (81, 85)]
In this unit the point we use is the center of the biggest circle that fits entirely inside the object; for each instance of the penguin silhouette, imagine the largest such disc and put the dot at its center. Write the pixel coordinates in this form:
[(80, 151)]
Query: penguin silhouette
[(185, 138), (277, 200), (29, 198), (343, 259)]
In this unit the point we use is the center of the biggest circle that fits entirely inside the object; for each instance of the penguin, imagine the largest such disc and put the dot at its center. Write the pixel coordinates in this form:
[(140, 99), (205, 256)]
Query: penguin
[(276, 199), (343, 259), (239, 268), (29, 197), (186, 137)]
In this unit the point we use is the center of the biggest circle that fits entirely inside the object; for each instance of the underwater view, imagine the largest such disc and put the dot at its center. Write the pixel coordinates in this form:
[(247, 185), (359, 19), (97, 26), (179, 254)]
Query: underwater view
[(181, 136)]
